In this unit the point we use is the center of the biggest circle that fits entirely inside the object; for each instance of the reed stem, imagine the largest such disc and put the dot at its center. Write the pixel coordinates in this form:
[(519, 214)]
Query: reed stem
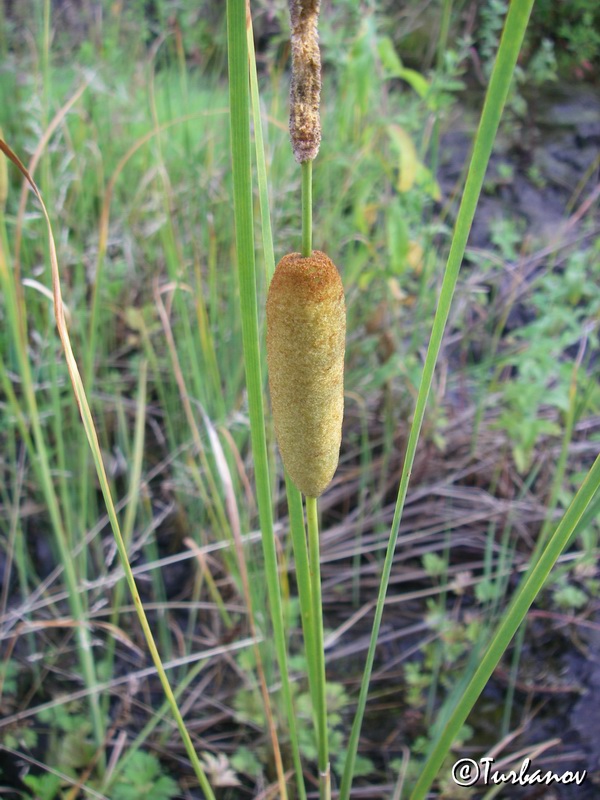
[(307, 209), (320, 695)]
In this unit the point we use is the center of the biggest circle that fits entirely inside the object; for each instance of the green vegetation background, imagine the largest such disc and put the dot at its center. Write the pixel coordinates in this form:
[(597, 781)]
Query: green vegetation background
[(136, 174)]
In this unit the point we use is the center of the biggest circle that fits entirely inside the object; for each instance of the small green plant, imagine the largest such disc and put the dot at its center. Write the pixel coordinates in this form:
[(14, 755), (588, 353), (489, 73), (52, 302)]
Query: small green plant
[(9, 671), (563, 305), (567, 596), (45, 786), (69, 740), (574, 30), (143, 779), (250, 710)]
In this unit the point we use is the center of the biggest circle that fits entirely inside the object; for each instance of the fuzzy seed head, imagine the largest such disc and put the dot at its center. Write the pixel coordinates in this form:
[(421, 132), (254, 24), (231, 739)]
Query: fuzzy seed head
[(305, 91), (306, 333)]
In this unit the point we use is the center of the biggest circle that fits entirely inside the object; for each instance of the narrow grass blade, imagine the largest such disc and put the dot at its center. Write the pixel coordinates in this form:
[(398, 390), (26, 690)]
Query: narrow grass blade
[(132, 506), (510, 44), (261, 164)]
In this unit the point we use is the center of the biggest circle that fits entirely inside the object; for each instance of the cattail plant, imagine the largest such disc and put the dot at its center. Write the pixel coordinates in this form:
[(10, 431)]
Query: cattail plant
[(306, 331), (306, 316)]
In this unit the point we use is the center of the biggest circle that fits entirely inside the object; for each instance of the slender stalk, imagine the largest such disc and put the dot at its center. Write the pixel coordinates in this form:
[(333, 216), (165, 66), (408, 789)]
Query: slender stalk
[(320, 696), (294, 496), (312, 616), (243, 210), (303, 577), (153, 722), (514, 31), (130, 511), (187, 741), (307, 209)]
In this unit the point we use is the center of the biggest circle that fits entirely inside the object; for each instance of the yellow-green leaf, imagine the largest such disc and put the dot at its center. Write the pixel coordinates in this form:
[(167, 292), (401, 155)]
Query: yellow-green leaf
[(408, 161)]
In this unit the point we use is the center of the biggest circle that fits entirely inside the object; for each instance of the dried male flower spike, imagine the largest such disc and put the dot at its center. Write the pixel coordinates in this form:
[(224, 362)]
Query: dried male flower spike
[(306, 334), (305, 91)]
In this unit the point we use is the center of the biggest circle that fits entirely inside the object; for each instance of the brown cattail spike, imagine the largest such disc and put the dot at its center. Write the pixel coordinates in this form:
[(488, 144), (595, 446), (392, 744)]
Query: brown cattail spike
[(305, 92), (306, 333)]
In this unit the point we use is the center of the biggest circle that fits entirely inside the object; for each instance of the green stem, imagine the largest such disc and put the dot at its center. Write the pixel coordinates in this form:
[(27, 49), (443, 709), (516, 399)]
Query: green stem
[(261, 164), (307, 209), (185, 736), (303, 578), (130, 514), (320, 697)]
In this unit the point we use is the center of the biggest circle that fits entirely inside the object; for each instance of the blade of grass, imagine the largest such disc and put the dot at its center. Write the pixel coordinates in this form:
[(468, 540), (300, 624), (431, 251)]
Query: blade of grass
[(131, 509), (237, 48), (261, 165), (510, 45)]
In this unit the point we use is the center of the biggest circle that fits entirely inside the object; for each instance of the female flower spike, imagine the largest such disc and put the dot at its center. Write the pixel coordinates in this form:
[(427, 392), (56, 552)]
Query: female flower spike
[(306, 332)]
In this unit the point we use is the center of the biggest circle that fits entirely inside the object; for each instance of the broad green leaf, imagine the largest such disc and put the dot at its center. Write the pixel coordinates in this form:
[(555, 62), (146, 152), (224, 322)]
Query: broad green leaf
[(408, 162), (416, 81), (394, 67), (390, 60)]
